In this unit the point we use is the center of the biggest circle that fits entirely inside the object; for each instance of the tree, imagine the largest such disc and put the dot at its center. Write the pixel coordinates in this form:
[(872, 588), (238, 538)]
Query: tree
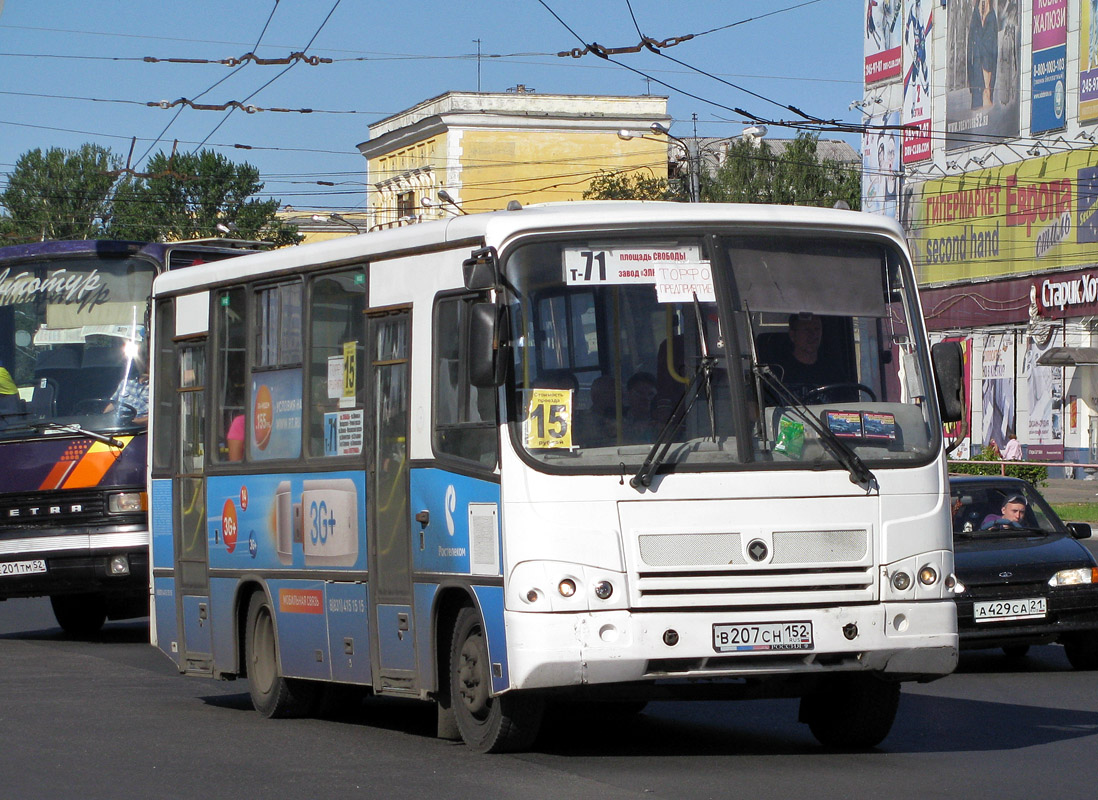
[(630, 186), (751, 173), (58, 194), (187, 196)]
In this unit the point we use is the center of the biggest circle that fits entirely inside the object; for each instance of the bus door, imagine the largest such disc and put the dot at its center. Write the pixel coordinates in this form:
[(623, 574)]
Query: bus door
[(191, 559), (388, 527)]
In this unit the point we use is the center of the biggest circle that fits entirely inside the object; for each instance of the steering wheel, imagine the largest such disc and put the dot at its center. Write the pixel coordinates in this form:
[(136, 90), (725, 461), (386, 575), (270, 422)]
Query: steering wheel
[(90, 405), (818, 393)]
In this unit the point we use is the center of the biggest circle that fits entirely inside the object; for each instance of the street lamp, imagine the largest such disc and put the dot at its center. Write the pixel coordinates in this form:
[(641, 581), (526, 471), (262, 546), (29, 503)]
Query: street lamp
[(693, 167), (334, 217)]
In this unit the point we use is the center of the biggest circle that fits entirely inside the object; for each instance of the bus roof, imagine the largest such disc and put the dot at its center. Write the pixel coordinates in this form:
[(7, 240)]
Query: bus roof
[(497, 226), (110, 248)]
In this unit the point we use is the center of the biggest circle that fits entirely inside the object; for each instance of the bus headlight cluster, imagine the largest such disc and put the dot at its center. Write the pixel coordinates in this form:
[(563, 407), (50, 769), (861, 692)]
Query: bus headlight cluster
[(925, 577), (558, 586), (127, 502)]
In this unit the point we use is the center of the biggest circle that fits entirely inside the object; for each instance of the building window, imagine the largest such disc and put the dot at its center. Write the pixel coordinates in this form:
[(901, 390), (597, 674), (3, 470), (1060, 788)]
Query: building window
[(406, 204)]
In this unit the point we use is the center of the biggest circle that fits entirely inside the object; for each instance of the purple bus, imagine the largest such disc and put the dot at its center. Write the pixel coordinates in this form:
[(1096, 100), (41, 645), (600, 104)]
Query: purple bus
[(73, 410)]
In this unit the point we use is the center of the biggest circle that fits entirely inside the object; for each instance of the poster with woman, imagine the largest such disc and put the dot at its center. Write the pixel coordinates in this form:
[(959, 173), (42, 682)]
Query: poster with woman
[(881, 164), (1045, 387), (997, 391), (983, 44)]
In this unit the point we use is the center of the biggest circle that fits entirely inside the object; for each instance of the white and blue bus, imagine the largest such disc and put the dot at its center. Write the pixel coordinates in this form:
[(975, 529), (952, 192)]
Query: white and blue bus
[(558, 455)]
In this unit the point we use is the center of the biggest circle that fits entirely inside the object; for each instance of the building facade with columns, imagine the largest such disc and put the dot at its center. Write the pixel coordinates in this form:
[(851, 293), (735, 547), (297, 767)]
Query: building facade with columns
[(484, 150)]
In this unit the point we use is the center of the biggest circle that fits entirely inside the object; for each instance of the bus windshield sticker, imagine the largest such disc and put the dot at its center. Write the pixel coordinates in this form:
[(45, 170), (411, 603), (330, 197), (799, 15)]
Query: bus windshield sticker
[(343, 433), (548, 422), (879, 425), (335, 377), (847, 424)]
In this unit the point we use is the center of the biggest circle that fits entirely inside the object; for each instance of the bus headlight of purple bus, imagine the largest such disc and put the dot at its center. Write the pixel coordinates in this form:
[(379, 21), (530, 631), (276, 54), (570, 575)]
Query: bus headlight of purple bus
[(127, 502)]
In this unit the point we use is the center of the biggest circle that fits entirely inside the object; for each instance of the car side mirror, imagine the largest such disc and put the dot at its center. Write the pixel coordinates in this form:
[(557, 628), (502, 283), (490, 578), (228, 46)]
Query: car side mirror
[(948, 361), (1079, 530)]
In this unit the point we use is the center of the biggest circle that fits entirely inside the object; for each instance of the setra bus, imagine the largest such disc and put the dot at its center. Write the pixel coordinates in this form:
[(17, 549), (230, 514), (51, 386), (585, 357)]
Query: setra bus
[(557, 455), (72, 423)]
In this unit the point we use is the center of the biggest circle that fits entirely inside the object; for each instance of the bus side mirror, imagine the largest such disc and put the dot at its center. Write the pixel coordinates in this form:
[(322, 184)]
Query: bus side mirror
[(948, 361), (487, 359), (481, 270)]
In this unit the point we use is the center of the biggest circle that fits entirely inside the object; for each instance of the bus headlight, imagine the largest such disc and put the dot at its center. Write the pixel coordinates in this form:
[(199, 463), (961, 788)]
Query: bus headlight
[(603, 590), (901, 581), (566, 587), (127, 502), (928, 576), (119, 565)]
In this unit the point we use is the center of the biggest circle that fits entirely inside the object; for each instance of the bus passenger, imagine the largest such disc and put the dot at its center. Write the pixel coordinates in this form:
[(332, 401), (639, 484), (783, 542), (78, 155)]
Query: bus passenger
[(639, 421)]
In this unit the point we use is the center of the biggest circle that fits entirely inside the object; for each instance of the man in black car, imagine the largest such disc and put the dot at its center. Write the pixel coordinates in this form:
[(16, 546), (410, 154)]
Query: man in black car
[(1012, 513)]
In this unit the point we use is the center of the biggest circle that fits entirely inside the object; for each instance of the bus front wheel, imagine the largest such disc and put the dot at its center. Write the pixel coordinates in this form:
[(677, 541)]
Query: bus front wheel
[(851, 712), (272, 694), (80, 615), (505, 723)]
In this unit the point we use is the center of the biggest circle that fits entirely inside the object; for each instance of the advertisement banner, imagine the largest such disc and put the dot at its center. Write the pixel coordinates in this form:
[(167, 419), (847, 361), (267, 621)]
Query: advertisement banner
[(997, 371), (882, 41), (1045, 389), (1034, 215), (917, 68), (1049, 72), (1088, 64), (881, 164), (983, 69)]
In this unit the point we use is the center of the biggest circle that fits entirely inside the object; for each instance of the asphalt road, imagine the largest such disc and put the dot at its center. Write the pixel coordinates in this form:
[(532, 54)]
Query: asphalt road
[(112, 719)]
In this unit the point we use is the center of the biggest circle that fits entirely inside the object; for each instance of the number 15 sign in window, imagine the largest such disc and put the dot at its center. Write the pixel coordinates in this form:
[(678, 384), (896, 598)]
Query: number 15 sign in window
[(549, 419)]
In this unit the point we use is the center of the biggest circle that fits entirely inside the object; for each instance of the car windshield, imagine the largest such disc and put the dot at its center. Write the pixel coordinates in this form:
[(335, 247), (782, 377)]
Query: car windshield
[(699, 351), (992, 509), (72, 344)]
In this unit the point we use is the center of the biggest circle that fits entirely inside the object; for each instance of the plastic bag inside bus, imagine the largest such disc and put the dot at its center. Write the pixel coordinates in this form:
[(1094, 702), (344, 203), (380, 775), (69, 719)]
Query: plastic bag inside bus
[(609, 364)]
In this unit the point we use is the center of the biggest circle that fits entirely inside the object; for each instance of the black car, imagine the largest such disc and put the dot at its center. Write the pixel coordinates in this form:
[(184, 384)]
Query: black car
[(1023, 579)]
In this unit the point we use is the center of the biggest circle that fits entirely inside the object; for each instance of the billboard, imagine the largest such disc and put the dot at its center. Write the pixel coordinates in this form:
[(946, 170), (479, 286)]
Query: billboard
[(1088, 63), (882, 41), (881, 164), (983, 46), (1033, 215), (918, 25), (1049, 72)]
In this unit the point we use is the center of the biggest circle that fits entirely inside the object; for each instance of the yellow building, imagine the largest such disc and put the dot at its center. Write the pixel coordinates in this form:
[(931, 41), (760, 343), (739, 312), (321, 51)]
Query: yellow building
[(485, 149)]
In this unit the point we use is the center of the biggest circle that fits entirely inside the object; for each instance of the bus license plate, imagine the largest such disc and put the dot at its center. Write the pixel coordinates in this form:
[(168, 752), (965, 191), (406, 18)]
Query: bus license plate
[(9, 568), (998, 610), (751, 637)]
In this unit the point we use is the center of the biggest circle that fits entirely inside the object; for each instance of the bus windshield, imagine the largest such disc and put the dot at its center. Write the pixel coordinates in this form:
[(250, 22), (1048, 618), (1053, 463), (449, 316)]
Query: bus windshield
[(72, 344), (717, 352)]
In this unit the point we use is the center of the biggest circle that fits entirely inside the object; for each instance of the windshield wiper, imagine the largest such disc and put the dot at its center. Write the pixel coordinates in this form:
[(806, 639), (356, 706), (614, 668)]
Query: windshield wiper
[(72, 427), (658, 453), (859, 472)]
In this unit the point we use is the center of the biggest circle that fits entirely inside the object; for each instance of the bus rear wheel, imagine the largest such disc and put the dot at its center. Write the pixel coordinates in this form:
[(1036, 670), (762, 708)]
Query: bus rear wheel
[(272, 695), (80, 615), (506, 723), (851, 712)]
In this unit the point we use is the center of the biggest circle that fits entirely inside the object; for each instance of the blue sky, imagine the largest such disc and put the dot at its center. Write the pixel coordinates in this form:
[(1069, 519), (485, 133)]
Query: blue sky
[(73, 71)]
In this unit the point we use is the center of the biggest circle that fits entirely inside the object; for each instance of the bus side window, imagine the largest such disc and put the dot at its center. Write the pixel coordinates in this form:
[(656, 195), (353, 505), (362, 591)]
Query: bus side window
[(464, 416), (232, 393), (336, 358)]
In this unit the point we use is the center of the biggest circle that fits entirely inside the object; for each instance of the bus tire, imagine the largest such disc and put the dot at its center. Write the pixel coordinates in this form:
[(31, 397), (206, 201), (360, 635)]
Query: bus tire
[(272, 695), (506, 723), (851, 712), (80, 615)]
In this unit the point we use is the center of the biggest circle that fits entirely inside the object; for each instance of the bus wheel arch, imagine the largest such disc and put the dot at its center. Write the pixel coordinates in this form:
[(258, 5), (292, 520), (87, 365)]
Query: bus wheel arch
[(851, 711), (273, 694), (449, 602), (488, 724)]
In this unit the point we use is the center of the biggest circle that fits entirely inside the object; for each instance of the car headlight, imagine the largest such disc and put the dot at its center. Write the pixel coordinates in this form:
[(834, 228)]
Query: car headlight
[(1074, 577)]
